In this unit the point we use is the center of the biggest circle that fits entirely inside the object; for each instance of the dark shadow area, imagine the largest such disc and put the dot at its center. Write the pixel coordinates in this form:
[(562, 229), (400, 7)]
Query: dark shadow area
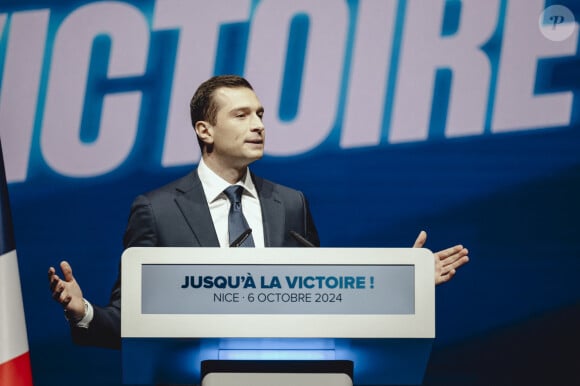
[(538, 351)]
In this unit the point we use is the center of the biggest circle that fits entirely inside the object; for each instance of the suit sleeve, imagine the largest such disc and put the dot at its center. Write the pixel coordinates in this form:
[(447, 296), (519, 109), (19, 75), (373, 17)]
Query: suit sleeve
[(105, 328), (141, 228)]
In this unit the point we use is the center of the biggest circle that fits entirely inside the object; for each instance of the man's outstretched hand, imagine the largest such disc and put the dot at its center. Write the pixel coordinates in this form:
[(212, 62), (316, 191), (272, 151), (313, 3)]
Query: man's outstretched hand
[(66, 291), (447, 261)]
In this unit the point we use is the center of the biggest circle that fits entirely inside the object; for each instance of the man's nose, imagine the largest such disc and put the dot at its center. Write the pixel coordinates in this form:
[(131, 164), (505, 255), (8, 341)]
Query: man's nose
[(257, 124)]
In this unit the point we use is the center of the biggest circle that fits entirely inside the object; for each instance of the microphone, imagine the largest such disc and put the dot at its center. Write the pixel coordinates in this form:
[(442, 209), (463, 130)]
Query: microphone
[(240, 240), (302, 240)]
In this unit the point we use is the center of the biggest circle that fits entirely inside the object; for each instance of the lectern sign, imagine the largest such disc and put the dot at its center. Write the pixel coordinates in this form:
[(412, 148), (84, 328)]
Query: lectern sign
[(277, 289), (277, 292)]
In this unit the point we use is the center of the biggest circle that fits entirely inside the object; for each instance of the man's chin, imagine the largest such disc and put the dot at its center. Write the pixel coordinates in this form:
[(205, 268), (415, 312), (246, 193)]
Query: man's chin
[(249, 158), (258, 156), (255, 154)]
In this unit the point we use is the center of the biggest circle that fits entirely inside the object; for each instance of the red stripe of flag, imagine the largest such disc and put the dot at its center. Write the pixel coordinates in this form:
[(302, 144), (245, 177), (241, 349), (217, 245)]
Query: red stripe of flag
[(17, 371)]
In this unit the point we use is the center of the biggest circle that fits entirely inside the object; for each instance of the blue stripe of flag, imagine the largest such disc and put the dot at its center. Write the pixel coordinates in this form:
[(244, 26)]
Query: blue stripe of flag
[(7, 243)]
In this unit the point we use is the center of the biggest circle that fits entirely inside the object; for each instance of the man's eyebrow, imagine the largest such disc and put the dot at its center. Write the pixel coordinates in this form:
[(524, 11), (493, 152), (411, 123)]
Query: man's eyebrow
[(246, 108)]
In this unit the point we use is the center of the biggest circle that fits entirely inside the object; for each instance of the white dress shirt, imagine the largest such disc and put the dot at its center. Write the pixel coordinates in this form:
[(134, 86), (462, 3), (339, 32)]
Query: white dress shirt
[(219, 204), (219, 207)]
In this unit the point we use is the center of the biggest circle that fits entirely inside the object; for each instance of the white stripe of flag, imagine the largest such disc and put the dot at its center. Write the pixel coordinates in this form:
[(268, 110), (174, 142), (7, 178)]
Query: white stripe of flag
[(14, 357)]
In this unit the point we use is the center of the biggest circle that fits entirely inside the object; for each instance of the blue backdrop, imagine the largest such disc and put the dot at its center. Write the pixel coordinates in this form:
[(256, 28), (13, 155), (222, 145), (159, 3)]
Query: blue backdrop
[(458, 117)]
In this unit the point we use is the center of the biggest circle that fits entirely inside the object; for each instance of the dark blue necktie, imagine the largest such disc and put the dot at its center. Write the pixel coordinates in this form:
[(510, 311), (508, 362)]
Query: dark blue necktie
[(237, 223)]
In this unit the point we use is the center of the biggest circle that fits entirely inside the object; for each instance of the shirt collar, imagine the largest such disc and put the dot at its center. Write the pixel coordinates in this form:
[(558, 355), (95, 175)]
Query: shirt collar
[(214, 185)]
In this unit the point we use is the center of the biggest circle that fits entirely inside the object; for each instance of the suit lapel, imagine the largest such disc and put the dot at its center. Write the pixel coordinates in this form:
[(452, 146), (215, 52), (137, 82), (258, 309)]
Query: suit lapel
[(272, 212), (193, 205)]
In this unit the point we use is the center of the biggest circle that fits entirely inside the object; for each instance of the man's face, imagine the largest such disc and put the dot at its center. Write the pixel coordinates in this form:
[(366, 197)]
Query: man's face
[(238, 133)]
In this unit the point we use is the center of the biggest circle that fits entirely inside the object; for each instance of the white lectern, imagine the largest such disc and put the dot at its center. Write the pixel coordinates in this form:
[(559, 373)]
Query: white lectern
[(184, 306)]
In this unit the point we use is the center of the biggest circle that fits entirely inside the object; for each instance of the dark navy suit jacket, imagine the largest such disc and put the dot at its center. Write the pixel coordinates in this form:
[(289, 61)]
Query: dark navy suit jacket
[(177, 215)]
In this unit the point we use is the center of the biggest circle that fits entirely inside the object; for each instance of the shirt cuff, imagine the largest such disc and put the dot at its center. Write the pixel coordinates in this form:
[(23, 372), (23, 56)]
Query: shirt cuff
[(85, 320)]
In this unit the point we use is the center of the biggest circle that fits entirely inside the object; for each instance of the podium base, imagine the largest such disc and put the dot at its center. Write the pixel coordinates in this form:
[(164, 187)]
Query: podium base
[(273, 372), (178, 360)]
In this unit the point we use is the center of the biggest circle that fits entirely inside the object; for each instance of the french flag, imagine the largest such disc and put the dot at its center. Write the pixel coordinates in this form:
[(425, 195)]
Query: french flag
[(14, 356)]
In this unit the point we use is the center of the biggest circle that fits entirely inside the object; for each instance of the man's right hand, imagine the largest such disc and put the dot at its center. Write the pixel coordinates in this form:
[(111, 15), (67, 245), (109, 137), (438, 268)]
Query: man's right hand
[(67, 292)]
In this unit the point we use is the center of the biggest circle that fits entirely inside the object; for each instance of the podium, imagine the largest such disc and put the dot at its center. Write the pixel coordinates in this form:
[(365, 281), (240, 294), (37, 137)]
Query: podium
[(184, 307)]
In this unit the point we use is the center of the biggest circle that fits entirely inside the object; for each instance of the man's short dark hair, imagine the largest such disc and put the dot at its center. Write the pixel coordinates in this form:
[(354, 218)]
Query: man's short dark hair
[(203, 107)]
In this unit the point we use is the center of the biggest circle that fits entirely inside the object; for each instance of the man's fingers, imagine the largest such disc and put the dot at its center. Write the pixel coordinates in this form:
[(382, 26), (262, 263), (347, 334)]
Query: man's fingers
[(451, 263), (51, 276), (66, 271), (449, 252), (458, 259), (449, 275), (63, 299), (53, 281), (447, 262), (444, 277), (447, 269), (57, 291), (453, 254), (60, 294), (421, 239), (53, 284)]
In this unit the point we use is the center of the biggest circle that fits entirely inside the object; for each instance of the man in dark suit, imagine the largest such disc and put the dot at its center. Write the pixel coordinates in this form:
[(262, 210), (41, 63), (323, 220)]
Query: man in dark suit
[(195, 210)]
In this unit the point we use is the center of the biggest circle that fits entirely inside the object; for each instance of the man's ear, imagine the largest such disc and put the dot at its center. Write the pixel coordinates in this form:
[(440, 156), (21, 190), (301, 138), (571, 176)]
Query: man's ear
[(204, 132)]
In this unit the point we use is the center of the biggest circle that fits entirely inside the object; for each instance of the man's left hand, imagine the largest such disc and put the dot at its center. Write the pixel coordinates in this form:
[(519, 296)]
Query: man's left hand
[(447, 261)]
